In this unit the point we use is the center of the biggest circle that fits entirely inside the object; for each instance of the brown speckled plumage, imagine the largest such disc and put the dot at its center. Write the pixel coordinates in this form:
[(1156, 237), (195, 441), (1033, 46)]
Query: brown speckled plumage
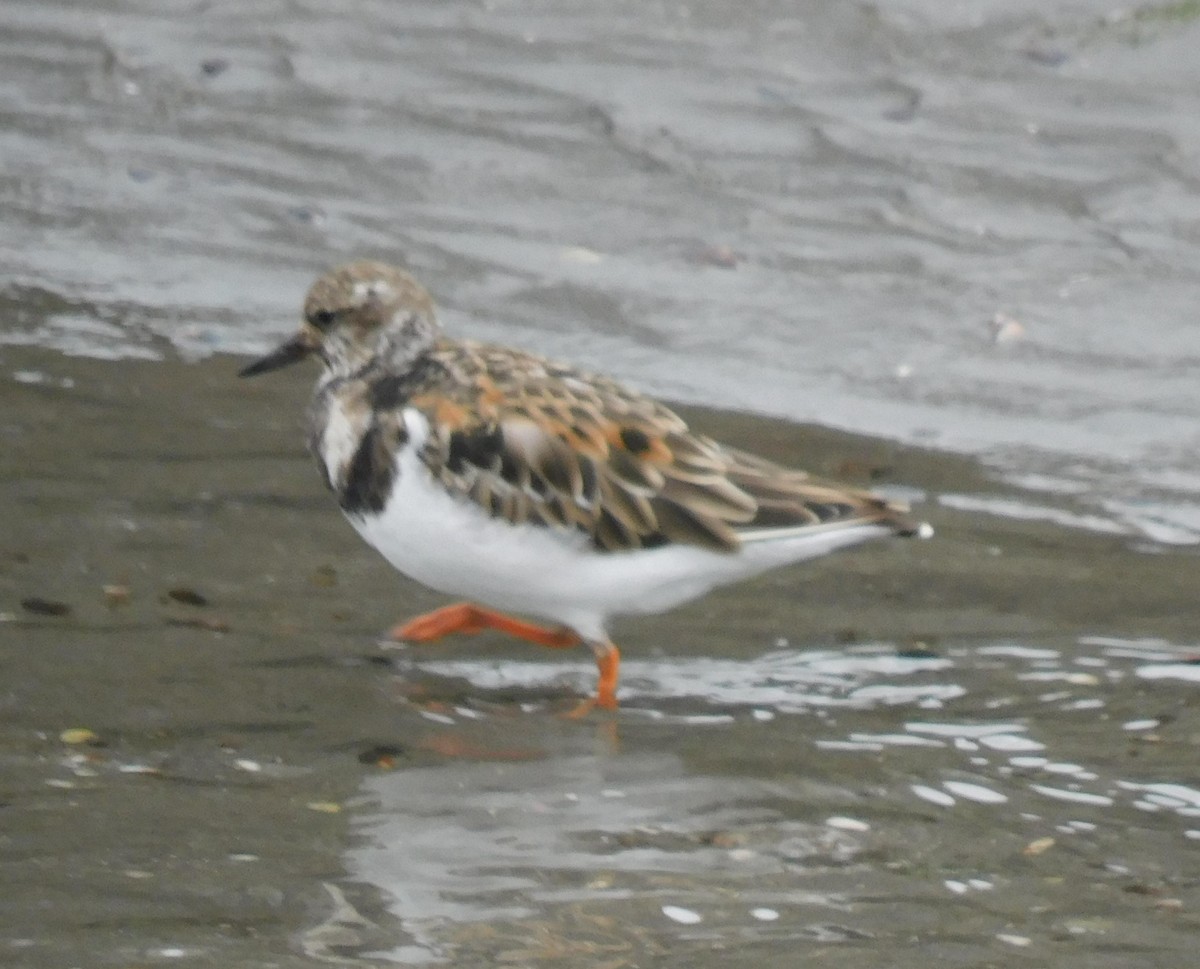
[(535, 441)]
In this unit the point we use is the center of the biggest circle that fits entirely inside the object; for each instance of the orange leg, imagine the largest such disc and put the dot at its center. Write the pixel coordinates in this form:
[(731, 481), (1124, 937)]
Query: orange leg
[(463, 617), (608, 662)]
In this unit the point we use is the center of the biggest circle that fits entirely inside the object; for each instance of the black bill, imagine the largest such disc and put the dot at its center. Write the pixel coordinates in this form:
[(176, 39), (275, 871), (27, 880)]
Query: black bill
[(295, 350)]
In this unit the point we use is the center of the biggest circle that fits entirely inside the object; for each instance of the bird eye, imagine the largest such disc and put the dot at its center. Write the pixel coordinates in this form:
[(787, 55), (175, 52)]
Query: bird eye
[(322, 319)]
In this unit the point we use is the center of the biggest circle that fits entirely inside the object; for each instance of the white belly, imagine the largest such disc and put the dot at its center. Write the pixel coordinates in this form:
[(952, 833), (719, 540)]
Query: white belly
[(452, 545)]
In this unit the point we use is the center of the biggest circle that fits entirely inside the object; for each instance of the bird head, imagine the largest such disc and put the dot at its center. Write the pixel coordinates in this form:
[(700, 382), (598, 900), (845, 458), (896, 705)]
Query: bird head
[(355, 314)]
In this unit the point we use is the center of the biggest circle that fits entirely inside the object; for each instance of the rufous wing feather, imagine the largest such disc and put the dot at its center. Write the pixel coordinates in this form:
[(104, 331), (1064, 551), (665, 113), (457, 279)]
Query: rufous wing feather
[(531, 441)]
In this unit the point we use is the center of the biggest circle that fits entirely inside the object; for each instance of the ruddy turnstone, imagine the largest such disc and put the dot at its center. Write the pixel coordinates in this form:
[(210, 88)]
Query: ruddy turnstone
[(530, 486)]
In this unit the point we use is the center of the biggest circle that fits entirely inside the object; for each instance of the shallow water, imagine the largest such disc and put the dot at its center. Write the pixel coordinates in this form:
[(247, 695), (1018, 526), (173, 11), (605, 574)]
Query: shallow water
[(974, 751), (994, 799)]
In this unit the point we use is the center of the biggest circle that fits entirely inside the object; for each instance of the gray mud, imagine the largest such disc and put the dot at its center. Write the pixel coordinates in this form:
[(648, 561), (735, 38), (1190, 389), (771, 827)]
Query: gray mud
[(952, 752)]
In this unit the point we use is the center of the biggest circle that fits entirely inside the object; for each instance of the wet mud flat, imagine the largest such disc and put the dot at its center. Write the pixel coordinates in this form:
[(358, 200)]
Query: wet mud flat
[(979, 750)]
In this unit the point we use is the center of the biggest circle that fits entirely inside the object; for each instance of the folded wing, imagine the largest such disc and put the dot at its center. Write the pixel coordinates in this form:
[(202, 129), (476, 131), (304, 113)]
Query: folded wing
[(536, 442)]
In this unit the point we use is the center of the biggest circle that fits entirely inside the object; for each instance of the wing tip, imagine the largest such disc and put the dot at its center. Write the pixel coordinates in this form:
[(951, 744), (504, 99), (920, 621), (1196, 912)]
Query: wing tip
[(914, 529), (906, 526)]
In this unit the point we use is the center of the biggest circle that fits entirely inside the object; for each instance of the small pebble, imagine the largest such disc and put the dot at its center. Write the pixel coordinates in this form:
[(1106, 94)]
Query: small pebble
[(188, 597), (45, 607), (116, 595), (383, 755), (324, 807)]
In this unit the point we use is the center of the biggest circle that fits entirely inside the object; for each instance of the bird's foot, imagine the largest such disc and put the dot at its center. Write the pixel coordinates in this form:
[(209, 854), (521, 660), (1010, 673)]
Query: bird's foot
[(608, 662)]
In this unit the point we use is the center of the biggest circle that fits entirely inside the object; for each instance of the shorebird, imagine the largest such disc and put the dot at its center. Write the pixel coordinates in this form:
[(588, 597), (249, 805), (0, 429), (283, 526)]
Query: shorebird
[(529, 486)]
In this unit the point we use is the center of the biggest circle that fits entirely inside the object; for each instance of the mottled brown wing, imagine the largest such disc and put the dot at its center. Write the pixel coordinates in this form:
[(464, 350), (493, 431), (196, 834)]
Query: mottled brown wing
[(534, 441)]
